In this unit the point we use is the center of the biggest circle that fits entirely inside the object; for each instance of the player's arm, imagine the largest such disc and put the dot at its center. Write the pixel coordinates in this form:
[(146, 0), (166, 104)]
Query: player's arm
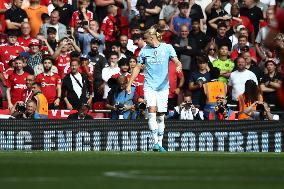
[(177, 63), (58, 95), (8, 95), (134, 74)]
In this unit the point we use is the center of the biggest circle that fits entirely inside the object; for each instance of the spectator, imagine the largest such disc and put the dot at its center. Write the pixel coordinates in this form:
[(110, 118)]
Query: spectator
[(34, 13), (221, 39), (242, 44), (211, 90), (123, 39), (4, 6), (50, 84), (45, 18), (91, 31), (98, 61), (186, 110), (196, 13), (238, 78), (25, 39), (119, 101), (15, 16), (249, 100), (253, 12), (213, 10), (181, 18), (23, 110), (51, 38), (152, 11), (270, 83), (222, 111), (62, 57), (16, 83), (224, 64), (35, 57), (65, 11), (54, 22), (110, 70), (198, 78), (41, 111), (169, 10), (212, 51), (197, 34), (133, 31), (139, 21), (176, 82), (186, 48), (252, 66), (116, 47), (139, 42), (82, 113), (226, 20), (82, 16), (76, 88), (27, 94), (165, 31), (10, 50), (123, 65), (139, 81), (109, 26)]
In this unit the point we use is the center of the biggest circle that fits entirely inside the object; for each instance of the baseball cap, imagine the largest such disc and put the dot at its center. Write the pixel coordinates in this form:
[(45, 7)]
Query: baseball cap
[(97, 41)]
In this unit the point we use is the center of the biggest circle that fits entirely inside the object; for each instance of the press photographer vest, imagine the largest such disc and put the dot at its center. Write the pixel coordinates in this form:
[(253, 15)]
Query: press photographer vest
[(243, 106)]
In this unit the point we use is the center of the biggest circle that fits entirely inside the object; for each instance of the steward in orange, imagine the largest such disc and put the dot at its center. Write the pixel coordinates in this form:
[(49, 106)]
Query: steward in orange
[(41, 102)]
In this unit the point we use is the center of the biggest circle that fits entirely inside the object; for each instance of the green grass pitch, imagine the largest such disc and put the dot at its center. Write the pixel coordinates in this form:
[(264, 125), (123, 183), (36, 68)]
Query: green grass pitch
[(140, 170)]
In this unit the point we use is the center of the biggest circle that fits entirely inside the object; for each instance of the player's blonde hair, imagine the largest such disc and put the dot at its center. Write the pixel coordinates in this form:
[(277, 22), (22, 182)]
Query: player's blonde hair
[(153, 32)]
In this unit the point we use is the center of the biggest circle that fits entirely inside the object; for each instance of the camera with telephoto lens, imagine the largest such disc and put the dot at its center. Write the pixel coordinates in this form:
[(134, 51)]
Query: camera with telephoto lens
[(141, 106), (119, 108), (221, 107), (84, 23), (187, 105), (20, 108)]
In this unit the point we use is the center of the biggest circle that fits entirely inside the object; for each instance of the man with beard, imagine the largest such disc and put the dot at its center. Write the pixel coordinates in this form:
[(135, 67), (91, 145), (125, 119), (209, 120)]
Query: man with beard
[(123, 39), (27, 93), (99, 62), (50, 84)]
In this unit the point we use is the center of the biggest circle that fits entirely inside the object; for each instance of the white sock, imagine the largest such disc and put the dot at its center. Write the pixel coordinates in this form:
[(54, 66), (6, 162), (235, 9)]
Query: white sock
[(161, 128), (153, 126)]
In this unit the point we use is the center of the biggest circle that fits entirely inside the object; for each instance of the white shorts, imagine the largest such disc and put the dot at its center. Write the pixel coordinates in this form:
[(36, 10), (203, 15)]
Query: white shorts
[(157, 98)]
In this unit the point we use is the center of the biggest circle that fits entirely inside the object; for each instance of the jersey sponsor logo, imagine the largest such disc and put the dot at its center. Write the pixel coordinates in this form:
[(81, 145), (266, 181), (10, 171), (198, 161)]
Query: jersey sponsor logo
[(43, 84), (20, 86)]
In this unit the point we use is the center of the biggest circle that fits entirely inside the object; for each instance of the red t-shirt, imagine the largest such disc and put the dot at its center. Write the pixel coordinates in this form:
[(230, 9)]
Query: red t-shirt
[(173, 78), (139, 84), (48, 85), (246, 22), (75, 17), (17, 83), (61, 62), (115, 76), (136, 52), (5, 5), (8, 52), (45, 2), (24, 42), (235, 54)]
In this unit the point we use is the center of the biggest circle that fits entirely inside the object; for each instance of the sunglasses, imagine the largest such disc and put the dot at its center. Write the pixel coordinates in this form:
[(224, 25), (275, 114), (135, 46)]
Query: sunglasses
[(212, 50)]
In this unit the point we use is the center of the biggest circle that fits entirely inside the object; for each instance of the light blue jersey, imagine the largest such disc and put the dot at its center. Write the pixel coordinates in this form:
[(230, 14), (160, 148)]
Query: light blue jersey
[(156, 61)]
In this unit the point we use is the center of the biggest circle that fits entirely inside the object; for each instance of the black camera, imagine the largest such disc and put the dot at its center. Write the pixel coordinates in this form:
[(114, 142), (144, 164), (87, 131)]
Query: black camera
[(20, 108), (221, 107), (84, 23), (141, 106), (260, 107), (119, 108), (187, 105)]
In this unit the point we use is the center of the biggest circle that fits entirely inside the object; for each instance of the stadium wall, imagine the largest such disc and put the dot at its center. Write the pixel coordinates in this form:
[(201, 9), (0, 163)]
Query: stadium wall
[(126, 135)]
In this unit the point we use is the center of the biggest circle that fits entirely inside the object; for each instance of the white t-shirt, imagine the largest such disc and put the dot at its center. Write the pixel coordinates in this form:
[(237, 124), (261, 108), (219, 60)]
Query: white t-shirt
[(106, 75), (268, 2), (237, 81)]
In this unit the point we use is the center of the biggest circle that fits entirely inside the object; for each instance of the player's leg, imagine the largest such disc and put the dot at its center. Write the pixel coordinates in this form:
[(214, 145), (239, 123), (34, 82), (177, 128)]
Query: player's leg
[(162, 106), (150, 97)]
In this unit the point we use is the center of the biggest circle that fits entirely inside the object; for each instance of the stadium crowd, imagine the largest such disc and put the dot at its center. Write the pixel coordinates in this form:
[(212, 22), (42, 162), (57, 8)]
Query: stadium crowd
[(54, 55)]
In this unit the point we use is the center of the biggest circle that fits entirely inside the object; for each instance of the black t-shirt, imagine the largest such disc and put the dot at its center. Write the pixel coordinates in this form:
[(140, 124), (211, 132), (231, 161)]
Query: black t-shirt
[(200, 38), (196, 12), (256, 70), (16, 14), (65, 13), (223, 41), (254, 14), (214, 14), (271, 97), (152, 19)]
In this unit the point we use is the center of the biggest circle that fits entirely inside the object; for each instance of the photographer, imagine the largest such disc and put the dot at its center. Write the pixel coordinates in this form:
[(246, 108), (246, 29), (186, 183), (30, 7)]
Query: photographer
[(119, 101), (24, 111), (222, 111), (141, 109), (186, 110)]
